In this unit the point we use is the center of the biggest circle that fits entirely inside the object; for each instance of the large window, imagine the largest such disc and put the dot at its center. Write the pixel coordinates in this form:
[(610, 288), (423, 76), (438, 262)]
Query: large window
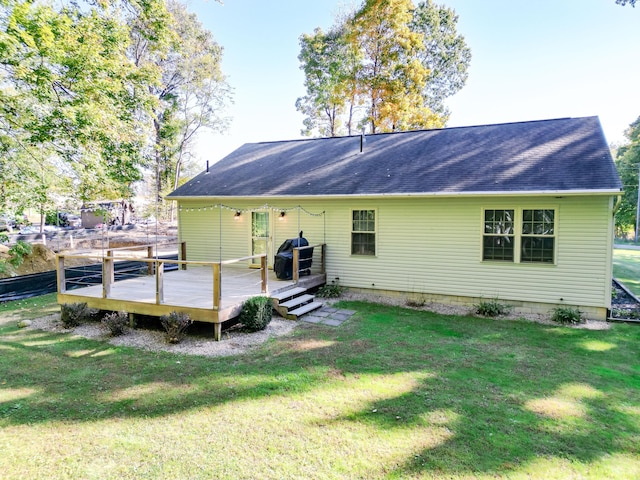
[(538, 236), (497, 242), (526, 235), (363, 232)]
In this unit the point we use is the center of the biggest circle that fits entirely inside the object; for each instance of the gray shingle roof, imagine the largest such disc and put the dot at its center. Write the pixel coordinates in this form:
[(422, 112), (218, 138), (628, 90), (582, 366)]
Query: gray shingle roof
[(566, 154)]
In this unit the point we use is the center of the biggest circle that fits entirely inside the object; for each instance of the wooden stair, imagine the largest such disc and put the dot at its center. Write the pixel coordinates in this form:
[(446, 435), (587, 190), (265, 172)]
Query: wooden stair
[(294, 302)]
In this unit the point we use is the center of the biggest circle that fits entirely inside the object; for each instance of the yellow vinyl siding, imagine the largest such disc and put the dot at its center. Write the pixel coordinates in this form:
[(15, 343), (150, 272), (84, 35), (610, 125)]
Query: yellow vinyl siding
[(199, 226), (434, 245)]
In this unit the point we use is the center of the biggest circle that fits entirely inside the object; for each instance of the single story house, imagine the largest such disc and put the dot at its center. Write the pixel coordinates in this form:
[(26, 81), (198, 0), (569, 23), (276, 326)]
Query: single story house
[(520, 212)]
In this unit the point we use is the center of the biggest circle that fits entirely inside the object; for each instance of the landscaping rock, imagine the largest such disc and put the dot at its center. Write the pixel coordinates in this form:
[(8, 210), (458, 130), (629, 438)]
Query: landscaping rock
[(24, 323)]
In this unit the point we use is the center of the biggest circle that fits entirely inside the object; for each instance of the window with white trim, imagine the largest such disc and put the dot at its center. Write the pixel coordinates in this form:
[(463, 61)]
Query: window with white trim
[(498, 237), (519, 236), (363, 232), (538, 236)]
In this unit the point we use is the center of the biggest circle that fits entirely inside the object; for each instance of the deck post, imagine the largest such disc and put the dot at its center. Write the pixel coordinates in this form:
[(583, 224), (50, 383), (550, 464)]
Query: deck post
[(217, 331), (112, 275), (159, 282), (107, 268), (183, 254), (263, 272), (150, 256), (62, 282), (323, 258), (217, 290), (296, 264)]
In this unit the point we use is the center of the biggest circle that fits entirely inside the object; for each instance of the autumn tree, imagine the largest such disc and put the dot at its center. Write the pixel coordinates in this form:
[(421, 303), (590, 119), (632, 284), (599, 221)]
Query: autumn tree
[(396, 61)]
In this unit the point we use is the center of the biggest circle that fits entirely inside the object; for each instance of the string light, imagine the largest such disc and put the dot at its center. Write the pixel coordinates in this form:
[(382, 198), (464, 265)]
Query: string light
[(239, 211)]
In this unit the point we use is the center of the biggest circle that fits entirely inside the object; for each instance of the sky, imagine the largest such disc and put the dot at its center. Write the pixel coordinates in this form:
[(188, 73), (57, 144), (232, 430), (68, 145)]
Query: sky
[(531, 60)]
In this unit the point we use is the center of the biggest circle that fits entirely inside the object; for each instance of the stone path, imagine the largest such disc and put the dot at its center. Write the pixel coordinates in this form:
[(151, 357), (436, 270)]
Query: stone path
[(328, 316)]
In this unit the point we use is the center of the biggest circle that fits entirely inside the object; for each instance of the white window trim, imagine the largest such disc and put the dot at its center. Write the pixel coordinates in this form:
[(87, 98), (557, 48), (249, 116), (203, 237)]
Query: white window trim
[(517, 237), (375, 232)]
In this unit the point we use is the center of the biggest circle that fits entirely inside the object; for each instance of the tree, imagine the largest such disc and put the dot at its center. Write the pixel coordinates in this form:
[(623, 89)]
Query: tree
[(329, 64), (445, 54), (70, 96), (83, 85), (390, 77), (190, 95), (399, 62), (625, 2), (628, 162)]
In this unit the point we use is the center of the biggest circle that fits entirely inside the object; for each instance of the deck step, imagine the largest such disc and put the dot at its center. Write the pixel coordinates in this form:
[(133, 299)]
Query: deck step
[(297, 301), (287, 294), (309, 307)]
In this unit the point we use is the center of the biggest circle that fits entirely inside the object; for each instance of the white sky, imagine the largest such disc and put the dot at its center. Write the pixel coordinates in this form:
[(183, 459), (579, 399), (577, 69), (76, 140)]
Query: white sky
[(531, 60)]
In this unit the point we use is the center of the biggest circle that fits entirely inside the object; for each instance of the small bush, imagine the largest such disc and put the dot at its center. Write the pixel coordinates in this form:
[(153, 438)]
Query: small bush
[(566, 315), (332, 290), (116, 323), (175, 325), (417, 302), (256, 313), (491, 308), (73, 314), (17, 253)]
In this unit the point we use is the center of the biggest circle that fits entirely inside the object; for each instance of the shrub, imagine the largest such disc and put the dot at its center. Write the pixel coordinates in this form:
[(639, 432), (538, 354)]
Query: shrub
[(17, 253), (175, 325), (566, 315), (16, 256), (491, 308), (332, 290), (116, 323), (256, 313), (417, 302), (73, 314)]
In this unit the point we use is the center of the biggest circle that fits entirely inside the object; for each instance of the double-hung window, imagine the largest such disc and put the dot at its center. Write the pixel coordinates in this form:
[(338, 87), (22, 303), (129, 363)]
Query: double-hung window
[(519, 236), (538, 236), (363, 232), (498, 238)]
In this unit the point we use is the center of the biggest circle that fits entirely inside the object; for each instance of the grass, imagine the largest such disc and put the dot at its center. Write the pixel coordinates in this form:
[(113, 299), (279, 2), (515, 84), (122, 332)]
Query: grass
[(393, 393), (626, 268)]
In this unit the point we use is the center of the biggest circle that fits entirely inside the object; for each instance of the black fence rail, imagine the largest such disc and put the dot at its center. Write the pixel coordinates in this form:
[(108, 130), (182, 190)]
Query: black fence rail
[(25, 286)]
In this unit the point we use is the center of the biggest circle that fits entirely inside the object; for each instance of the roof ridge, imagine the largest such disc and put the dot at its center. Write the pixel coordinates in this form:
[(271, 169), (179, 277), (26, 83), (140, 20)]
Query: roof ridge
[(459, 127)]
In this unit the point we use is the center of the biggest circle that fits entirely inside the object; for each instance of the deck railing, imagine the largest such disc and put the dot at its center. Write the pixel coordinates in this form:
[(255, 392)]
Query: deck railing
[(156, 266), (296, 259)]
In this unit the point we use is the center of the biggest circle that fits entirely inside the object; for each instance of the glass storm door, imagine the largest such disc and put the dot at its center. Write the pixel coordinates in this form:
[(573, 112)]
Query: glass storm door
[(260, 241)]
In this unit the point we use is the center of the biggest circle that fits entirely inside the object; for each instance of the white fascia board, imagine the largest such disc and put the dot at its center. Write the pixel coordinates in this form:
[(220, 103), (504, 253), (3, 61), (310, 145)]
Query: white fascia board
[(520, 193)]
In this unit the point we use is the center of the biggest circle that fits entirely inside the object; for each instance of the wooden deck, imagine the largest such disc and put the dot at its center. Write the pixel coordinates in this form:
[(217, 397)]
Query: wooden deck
[(193, 289)]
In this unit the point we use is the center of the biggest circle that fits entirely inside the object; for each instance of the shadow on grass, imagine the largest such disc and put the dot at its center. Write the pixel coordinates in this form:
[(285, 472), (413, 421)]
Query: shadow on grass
[(489, 395)]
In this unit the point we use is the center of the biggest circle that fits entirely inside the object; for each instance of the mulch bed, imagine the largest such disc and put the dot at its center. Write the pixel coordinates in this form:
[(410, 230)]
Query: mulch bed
[(624, 305)]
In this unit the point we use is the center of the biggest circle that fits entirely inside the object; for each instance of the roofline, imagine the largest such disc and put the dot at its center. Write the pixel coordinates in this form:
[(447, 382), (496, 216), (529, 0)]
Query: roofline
[(399, 132), (520, 193)]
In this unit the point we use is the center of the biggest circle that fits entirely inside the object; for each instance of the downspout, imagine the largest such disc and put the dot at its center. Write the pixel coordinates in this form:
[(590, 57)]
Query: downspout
[(617, 205)]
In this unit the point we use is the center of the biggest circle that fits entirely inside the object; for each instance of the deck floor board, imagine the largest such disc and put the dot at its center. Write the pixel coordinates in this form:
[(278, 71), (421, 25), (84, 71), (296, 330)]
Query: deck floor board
[(192, 287)]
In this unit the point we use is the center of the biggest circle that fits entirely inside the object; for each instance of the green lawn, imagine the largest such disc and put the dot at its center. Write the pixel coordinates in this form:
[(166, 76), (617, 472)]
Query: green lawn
[(393, 393), (626, 268)]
